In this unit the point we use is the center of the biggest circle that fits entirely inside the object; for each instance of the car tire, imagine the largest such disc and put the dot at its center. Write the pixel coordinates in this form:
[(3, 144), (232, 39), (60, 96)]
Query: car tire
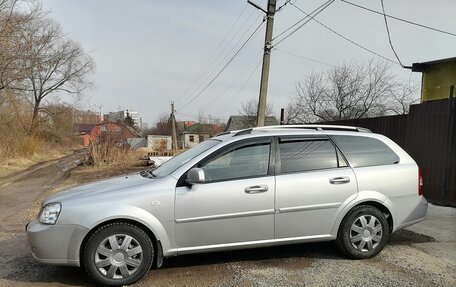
[(118, 254), (363, 232)]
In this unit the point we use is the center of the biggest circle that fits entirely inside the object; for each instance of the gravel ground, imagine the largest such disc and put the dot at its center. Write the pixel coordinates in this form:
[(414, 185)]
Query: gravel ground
[(421, 255)]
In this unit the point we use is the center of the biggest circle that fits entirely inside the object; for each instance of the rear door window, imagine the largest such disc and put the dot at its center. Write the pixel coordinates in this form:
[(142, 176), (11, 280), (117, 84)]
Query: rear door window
[(305, 155), (365, 151)]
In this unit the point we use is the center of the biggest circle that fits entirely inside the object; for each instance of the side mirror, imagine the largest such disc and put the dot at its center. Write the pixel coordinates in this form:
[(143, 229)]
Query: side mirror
[(195, 175)]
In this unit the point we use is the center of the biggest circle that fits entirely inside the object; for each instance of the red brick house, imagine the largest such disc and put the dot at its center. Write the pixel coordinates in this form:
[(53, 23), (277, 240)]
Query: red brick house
[(82, 132), (114, 131)]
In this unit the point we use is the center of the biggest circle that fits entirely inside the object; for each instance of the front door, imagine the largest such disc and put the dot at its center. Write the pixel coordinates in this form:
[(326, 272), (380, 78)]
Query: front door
[(235, 204)]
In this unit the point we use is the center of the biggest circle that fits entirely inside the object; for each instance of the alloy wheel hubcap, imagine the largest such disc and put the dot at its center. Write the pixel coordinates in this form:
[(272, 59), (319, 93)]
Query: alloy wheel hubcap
[(366, 233), (118, 256)]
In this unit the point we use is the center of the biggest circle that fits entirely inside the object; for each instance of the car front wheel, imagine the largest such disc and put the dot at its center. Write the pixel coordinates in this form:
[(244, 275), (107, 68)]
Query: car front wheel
[(118, 254), (363, 232)]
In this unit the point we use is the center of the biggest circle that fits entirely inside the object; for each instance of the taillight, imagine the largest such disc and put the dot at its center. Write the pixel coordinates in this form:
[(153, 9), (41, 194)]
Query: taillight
[(420, 183)]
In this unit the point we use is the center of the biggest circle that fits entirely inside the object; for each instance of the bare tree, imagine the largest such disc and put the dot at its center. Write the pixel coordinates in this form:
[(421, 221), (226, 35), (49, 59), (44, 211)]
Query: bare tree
[(54, 64), (249, 110), (8, 55), (36, 60), (294, 115), (57, 122), (349, 91), (162, 125), (402, 97), (12, 22), (206, 118)]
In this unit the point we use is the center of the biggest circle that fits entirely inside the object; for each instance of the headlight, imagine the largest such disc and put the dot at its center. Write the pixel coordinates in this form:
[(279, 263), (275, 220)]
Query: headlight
[(50, 213)]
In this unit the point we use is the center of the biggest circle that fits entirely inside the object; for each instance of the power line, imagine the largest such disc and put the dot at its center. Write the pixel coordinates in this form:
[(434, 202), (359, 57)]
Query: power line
[(302, 57), (282, 6), (308, 17), (198, 118), (243, 84), (389, 37), (256, 63), (295, 24), (221, 62), (345, 38), (399, 19), (224, 67), (209, 60)]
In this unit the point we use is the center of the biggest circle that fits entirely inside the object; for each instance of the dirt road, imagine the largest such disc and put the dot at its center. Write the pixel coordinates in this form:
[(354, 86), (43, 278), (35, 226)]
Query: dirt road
[(422, 255)]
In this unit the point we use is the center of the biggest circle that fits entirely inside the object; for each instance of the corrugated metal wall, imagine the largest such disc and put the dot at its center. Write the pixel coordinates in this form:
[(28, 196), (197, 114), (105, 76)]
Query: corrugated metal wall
[(423, 133)]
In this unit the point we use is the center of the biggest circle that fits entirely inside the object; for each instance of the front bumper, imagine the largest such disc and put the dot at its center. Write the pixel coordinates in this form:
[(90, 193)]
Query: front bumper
[(55, 244)]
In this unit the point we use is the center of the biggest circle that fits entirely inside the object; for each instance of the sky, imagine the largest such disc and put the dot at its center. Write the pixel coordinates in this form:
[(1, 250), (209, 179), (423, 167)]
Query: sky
[(149, 52)]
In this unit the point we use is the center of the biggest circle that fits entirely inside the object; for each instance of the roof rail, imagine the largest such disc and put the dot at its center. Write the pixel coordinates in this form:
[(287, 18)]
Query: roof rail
[(224, 133), (317, 127), (302, 126), (243, 132)]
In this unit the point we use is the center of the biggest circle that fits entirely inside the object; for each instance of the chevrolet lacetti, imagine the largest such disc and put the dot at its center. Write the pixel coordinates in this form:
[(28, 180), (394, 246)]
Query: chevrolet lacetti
[(243, 189)]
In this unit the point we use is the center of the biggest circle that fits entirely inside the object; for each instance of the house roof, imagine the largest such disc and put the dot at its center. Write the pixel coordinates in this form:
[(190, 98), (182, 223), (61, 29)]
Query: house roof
[(422, 67), (133, 131), (130, 129), (83, 128), (244, 122), (198, 128)]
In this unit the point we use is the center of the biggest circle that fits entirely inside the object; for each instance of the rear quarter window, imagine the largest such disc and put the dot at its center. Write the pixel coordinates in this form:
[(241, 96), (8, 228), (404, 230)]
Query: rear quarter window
[(365, 151)]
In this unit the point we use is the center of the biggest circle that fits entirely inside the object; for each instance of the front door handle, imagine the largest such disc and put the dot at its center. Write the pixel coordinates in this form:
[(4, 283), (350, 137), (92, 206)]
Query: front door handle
[(339, 180), (256, 189)]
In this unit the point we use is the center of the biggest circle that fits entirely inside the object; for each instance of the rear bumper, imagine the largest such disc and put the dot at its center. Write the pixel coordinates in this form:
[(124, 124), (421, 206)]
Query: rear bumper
[(55, 244), (418, 214)]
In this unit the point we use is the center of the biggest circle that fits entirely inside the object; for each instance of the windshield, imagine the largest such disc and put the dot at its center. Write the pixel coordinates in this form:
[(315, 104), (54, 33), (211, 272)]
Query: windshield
[(179, 160)]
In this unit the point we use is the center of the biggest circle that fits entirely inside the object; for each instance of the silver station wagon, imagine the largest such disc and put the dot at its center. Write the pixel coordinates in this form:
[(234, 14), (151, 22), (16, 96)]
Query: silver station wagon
[(250, 188)]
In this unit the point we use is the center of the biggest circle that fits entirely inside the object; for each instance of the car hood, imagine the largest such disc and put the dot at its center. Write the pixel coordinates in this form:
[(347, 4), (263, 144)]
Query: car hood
[(123, 183)]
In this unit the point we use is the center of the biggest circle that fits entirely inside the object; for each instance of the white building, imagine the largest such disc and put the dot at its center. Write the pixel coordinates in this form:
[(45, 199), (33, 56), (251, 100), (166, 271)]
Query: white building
[(122, 115), (159, 142)]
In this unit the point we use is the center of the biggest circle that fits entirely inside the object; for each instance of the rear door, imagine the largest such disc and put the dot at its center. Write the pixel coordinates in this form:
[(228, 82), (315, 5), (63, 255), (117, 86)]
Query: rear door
[(313, 180), (235, 204)]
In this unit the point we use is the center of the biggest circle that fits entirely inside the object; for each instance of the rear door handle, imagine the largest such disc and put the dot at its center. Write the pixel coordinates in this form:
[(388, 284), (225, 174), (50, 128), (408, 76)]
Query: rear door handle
[(256, 189), (339, 180)]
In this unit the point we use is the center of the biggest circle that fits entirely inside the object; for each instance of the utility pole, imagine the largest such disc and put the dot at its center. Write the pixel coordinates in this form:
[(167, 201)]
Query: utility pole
[(266, 60), (173, 123), (282, 116)]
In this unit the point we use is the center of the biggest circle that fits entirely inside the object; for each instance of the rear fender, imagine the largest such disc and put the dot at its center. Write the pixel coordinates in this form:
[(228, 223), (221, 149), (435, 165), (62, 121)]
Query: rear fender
[(363, 196)]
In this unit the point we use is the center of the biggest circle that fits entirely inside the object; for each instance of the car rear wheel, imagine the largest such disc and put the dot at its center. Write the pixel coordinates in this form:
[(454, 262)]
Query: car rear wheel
[(118, 254), (363, 232)]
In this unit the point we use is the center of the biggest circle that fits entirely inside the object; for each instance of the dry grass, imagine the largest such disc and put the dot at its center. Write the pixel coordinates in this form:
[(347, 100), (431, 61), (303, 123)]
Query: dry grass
[(104, 156), (21, 163), (18, 149), (110, 151)]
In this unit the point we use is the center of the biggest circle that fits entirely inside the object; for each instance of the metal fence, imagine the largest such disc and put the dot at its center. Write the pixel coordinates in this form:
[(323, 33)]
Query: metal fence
[(427, 134)]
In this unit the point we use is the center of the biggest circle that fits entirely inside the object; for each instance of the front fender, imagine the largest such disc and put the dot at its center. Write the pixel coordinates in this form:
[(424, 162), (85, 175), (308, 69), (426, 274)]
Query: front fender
[(89, 219)]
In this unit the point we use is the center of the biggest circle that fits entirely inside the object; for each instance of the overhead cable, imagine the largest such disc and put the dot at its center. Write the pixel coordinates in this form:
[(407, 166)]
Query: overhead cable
[(224, 67), (399, 19), (389, 37), (302, 57), (243, 85), (210, 59), (322, 6), (282, 6), (248, 67), (345, 38)]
